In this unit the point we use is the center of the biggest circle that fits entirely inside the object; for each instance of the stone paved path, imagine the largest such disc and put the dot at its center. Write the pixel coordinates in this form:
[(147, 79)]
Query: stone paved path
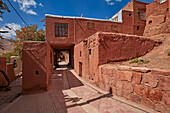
[(68, 94)]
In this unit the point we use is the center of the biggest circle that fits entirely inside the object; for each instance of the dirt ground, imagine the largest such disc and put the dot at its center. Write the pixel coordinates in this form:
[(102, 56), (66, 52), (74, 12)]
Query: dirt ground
[(158, 57)]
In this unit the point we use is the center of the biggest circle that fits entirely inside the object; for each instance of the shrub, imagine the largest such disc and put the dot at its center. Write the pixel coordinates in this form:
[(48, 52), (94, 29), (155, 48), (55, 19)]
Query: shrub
[(8, 55), (139, 60)]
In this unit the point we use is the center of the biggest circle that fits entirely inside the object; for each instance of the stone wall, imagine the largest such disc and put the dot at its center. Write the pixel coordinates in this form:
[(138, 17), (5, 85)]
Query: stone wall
[(149, 87), (105, 47)]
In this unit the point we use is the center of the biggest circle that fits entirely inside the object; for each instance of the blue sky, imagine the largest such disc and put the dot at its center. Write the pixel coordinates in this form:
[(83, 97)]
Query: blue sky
[(33, 11)]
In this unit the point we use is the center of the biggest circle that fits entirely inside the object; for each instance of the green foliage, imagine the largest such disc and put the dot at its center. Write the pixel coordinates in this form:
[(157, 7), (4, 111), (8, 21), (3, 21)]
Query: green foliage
[(27, 33), (139, 60), (8, 55)]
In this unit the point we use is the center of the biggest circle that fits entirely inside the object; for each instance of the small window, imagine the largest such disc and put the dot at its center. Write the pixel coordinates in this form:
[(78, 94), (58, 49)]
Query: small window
[(138, 28), (114, 27), (150, 21), (61, 30), (80, 53), (90, 25), (130, 14), (141, 14), (89, 51)]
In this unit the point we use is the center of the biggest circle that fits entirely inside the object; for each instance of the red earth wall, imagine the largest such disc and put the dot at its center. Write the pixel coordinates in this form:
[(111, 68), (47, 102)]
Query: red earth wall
[(149, 87), (138, 23), (8, 68), (10, 72), (18, 69), (158, 21), (78, 30), (37, 66), (3, 67), (108, 47)]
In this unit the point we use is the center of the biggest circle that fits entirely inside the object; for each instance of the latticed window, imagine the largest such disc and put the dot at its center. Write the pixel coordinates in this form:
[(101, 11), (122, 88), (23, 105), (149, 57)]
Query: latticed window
[(90, 25), (61, 30), (141, 14)]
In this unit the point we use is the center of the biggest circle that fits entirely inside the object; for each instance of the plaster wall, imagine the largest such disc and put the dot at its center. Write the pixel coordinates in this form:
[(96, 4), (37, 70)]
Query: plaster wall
[(37, 66), (78, 29), (158, 21), (108, 47), (120, 47), (3, 67), (10, 72), (139, 22), (18, 69)]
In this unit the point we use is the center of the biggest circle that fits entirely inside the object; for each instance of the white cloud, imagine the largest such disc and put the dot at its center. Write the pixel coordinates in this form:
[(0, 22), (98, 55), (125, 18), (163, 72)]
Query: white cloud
[(1, 19), (109, 2), (25, 5), (119, 0), (40, 4), (11, 33), (31, 12)]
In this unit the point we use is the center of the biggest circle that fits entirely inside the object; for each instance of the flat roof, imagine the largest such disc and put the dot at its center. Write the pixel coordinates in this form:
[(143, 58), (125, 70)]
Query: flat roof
[(85, 18)]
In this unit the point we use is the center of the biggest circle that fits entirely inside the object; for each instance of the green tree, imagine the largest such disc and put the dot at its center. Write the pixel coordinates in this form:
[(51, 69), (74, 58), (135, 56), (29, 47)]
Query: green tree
[(27, 33)]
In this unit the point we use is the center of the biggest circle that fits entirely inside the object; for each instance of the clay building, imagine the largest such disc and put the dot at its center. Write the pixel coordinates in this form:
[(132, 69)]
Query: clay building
[(63, 32), (89, 43)]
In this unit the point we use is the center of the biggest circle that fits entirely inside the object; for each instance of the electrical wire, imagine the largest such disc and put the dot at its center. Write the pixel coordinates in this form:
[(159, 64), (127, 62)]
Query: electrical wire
[(17, 13)]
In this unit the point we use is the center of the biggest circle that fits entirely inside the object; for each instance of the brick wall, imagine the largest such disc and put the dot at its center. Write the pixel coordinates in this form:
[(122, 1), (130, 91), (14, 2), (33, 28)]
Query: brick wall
[(149, 87)]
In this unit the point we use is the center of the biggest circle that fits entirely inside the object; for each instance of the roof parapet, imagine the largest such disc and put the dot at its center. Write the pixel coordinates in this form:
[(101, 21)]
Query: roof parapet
[(70, 17)]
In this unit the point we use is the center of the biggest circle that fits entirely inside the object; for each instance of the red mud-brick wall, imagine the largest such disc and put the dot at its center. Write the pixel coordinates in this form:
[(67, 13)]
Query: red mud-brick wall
[(78, 29), (157, 15), (3, 67), (66, 56), (119, 47), (49, 64), (82, 31), (36, 66), (128, 21), (50, 31), (10, 72), (149, 87), (137, 22), (18, 69), (88, 58), (108, 47)]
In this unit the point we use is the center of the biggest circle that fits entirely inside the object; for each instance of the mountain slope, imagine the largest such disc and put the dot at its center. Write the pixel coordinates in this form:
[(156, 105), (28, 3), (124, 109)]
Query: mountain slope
[(5, 45)]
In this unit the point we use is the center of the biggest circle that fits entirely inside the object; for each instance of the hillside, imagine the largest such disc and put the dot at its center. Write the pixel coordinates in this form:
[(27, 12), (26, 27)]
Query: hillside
[(158, 57), (5, 45)]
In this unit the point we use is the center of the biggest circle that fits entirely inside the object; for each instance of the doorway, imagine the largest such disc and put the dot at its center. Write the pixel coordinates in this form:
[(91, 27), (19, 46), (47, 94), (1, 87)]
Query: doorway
[(80, 68)]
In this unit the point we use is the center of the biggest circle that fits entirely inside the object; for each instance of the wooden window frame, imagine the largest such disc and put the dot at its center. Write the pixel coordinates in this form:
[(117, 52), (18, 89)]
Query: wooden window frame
[(91, 25), (61, 32)]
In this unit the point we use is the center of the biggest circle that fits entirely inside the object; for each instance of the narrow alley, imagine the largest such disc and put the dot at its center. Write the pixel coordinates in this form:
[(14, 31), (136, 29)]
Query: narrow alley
[(68, 93)]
